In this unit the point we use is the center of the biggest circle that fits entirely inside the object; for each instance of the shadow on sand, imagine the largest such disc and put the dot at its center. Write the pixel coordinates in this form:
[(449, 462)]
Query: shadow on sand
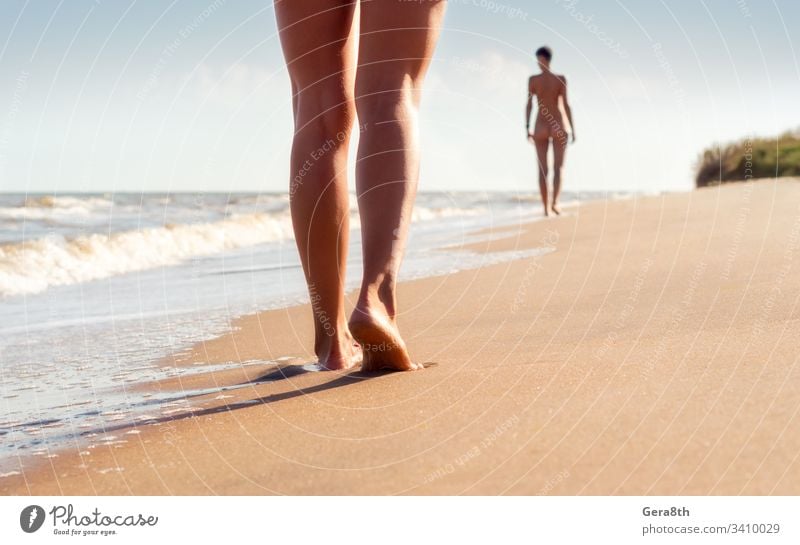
[(282, 373)]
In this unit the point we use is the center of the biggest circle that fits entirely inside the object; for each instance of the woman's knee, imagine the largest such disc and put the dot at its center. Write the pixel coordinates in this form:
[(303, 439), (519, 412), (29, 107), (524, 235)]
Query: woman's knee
[(326, 112), (386, 99)]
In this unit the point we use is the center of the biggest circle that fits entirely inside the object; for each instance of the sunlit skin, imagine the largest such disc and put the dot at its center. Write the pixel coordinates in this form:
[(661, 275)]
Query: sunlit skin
[(550, 91), (348, 58)]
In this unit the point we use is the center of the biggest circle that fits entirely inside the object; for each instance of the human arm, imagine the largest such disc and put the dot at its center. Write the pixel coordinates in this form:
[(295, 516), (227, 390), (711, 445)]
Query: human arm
[(567, 108), (529, 109)]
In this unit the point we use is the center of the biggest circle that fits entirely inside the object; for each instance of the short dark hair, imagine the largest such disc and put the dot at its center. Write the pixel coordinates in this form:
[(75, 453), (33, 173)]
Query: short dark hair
[(545, 52)]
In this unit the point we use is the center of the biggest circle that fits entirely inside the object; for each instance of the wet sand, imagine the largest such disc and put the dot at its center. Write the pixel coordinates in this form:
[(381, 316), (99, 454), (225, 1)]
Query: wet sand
[(654, 351)]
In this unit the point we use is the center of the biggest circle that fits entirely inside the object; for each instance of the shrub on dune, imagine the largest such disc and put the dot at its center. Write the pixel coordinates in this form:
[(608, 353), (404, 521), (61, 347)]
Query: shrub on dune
[(749, 158)]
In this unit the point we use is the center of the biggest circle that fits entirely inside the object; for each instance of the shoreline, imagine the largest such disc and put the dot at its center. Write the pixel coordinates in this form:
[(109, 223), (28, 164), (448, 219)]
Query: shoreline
[(609, 366)]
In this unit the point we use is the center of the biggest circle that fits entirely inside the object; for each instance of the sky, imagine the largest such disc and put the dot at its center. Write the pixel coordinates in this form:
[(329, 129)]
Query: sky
[(105, 96)]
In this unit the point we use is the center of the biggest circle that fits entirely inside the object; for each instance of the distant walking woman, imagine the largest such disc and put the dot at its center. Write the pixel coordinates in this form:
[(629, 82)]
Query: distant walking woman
[(548, 88), (332, 82)]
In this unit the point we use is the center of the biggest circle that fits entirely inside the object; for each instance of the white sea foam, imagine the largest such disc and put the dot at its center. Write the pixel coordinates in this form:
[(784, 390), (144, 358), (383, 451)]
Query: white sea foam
[(420, 213), (49, 206), (33, 266)]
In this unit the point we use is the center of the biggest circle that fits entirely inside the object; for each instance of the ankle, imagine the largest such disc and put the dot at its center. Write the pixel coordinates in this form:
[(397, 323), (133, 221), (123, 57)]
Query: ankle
[(379, 294), (333, 346)]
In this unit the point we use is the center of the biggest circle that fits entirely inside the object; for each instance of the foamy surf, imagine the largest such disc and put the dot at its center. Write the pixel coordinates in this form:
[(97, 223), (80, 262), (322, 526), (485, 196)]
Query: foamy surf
[(36, 263), (33, 266), (50, 207)]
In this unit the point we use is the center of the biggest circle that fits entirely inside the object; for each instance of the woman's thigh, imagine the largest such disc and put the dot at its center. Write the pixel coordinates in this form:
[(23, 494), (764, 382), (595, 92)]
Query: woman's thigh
[(397, 41), (318, 39)]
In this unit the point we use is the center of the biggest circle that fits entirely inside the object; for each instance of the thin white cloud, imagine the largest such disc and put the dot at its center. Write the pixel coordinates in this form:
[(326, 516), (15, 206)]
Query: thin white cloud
[(238, 83)]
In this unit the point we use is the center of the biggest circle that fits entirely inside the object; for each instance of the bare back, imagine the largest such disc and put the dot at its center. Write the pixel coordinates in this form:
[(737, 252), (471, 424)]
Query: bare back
[(548, 88)]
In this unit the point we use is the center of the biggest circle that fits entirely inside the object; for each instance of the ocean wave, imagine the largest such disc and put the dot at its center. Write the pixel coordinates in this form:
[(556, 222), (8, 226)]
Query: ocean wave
[(421, 213), (53, 201), (48, 206), (33, 266)]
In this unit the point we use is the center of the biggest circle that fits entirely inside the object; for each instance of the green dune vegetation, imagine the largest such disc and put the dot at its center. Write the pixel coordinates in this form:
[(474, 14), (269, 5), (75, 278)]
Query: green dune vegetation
[(750, 158)]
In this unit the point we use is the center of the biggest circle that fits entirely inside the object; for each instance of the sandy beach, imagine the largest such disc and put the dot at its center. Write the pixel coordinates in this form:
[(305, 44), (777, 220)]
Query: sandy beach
[(654, 350)]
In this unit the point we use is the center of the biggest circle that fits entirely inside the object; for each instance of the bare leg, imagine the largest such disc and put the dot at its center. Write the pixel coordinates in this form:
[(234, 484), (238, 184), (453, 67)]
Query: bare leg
[(541, 154), (318, 38), (559, 151), (396, 43)]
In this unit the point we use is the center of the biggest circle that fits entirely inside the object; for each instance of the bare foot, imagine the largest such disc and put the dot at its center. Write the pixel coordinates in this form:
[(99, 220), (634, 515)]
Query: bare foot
[(546, 212), (380, 340), (338, 355), (556, 211)]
